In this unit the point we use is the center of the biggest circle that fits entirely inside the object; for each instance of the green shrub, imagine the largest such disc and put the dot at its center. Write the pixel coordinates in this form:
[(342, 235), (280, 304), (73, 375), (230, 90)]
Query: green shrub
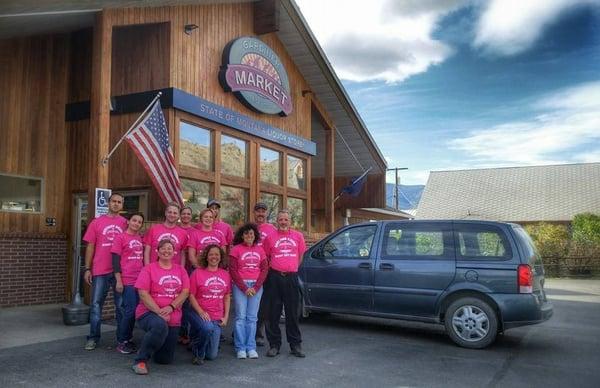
[(586, 229), (551, 240)]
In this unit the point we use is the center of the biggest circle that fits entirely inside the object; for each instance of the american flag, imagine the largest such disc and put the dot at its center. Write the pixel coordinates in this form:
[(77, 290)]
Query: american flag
[(150, 142)]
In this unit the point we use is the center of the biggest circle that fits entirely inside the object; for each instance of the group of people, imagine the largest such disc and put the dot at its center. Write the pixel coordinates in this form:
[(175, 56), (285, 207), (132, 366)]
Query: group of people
[(177, 280)]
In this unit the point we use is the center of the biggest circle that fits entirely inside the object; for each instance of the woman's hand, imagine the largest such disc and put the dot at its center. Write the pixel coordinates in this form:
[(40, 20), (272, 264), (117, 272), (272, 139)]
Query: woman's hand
[(250, 291), (204, 315), (165, 312), (119, 286), (223, 322)]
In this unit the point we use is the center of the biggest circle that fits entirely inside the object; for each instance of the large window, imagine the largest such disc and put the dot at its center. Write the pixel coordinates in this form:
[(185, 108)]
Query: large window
[(297, 209), (234, 205), (195, 194), (270, 166), (273, 202), (415, 241), (20, 194), (296, 168), (234, 156), (195, 146)]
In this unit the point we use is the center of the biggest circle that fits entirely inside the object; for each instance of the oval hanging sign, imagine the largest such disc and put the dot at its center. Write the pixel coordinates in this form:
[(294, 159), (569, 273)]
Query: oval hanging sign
[(254, 73)]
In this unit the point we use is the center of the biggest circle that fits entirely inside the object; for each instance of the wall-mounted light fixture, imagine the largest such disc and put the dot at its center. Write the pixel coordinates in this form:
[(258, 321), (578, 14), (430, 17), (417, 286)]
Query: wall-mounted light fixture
[(307, 91), (188, 28)]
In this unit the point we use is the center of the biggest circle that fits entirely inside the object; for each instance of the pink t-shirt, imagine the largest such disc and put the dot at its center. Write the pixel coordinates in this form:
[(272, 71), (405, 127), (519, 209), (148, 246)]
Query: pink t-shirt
[(158, 232), (247, 261), (200, 239), (131, 250), (163, 285), (101, 232), (285, 249), (225, 230), (265, 229), (209, 288)]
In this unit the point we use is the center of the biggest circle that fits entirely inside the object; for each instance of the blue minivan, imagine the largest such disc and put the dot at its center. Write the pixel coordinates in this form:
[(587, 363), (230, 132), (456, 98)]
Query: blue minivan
[(477, 278)]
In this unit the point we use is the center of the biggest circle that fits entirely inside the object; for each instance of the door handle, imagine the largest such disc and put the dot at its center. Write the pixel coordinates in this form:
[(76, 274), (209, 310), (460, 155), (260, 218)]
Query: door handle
[(364, 265), (386, 267)]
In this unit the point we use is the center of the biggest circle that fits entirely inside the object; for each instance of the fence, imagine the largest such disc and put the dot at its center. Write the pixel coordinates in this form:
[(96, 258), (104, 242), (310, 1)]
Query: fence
[(572, 266)]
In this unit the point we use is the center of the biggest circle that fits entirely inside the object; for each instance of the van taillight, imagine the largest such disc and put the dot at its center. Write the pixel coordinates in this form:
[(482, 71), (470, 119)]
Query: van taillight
[(525, 279)]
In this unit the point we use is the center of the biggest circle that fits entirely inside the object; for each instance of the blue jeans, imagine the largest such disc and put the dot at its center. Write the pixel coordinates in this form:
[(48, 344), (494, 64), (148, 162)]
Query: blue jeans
[(246, 316), (205, 336), (100, 286), (126, 302), (160, 339)]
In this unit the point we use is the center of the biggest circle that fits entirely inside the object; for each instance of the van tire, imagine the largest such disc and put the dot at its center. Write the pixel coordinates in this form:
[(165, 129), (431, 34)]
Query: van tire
[(471, 323)]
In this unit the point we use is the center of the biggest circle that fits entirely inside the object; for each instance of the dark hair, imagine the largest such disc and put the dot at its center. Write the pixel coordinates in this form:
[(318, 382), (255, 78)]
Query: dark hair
[(187, 207), (165, 241), (113, 194), (137, 214), (239, 235), (204, 256)]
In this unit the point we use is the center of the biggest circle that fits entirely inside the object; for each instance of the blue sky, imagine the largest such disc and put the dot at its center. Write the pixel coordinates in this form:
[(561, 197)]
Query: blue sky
[(454, 84)]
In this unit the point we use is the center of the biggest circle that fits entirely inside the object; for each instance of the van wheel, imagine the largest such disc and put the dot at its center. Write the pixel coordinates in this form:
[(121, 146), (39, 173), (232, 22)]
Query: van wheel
[(471, 323)]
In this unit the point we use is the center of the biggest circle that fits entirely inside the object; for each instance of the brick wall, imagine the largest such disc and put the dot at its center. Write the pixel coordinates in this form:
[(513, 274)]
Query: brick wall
[(33, 269)]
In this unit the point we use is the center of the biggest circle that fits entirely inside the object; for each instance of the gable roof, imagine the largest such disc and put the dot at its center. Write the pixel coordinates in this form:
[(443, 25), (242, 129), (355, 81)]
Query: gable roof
[(519, 194)]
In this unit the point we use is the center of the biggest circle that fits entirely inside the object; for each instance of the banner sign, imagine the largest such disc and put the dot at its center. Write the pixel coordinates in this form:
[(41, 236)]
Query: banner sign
[(256, 76)]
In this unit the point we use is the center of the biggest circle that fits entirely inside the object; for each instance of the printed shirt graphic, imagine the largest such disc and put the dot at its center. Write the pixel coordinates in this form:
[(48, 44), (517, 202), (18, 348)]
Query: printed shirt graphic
[(200, 239), (158, 232), (209, 288), (131, 250), (247, 261), (163, 285), (265, 229), (101, 232), (284, 250)]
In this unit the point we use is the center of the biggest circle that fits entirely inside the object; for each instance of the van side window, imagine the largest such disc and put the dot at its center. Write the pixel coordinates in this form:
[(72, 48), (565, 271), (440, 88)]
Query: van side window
[(482, 242), (415, 241), (354, 242)]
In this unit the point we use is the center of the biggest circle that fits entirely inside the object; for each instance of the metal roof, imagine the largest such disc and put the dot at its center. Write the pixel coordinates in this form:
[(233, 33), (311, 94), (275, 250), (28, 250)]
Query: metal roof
[(518, 194)]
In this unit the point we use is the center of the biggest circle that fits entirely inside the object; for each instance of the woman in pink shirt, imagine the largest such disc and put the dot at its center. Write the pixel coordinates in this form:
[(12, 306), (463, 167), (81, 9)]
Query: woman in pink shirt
[(185, 222), (210, 291), (248, 268), (167, 230), (163, 286), (127, 261), (204, 235)]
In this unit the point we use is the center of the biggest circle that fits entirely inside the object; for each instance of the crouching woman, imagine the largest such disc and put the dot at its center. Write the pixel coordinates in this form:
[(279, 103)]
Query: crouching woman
[(163, 286), (210, 298)]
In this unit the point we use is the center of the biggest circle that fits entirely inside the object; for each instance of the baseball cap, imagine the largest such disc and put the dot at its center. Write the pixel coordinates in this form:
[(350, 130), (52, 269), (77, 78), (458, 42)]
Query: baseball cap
[(260, 205), (213, 202)]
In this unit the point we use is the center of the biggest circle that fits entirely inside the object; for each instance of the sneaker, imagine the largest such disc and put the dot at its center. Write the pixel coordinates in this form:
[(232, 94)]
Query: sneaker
[(90, 344), (296, 350), (132, 346), (197, 361), (241, 354), (126, 348), (252, 354), (260, 341), (273, 352), (140, 368)]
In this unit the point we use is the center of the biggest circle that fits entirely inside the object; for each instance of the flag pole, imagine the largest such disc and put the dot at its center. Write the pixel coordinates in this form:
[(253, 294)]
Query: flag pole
[(353, 183), (107, 157)]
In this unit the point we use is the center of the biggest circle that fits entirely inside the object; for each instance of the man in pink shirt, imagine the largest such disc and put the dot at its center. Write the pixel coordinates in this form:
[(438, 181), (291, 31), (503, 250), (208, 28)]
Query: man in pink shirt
[(98, 262), (265, 229), (223, 228), (284, 248)]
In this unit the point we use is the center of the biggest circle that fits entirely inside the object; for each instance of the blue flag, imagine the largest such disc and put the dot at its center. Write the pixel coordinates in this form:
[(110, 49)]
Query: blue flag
[(355, 187)]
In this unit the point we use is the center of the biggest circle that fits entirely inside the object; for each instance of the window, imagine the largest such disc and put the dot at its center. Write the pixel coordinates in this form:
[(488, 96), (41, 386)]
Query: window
[(234, 205), (20, 194), (295, 173), (483, 243), (354, 242), (410, 242), (195, 194), (273, 202), (134, 202), (270, 166), (195, 146), (297, 209), (234, 156)]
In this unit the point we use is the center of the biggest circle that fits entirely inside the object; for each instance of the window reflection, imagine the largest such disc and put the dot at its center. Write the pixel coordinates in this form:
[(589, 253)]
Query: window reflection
[(195, 146), (296, 168), (270, 166), (297, 209), (234, 156), (234, 205)]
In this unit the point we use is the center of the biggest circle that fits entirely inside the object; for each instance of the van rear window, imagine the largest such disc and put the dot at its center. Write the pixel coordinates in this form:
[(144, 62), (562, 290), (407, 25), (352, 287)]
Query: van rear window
[(481, 242)]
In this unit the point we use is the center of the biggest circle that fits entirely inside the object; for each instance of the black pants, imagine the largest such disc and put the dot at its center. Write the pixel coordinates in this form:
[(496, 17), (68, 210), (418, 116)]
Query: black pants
[(282, 290), (160, 340)]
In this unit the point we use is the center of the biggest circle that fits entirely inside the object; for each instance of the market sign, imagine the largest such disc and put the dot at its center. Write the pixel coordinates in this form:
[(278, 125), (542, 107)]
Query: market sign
[(254, 73)]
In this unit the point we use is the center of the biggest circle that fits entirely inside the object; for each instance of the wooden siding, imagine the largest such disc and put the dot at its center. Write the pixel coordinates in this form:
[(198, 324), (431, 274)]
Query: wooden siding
[(371, 195), (33, 77)]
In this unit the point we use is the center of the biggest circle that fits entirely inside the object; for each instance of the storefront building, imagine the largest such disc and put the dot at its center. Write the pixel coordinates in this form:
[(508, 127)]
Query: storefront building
[(253, 108)]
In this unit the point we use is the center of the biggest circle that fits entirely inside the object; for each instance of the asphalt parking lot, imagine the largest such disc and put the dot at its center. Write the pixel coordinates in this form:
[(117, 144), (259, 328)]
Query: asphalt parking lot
[(344, 351)]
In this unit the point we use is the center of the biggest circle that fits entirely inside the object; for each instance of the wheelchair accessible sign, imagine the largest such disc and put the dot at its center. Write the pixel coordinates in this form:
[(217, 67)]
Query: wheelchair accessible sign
[(102, 196)]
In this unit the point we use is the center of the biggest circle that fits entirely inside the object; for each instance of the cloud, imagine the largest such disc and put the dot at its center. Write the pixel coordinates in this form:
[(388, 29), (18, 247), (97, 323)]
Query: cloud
[(508, 27), (560, 123), (382, 40)]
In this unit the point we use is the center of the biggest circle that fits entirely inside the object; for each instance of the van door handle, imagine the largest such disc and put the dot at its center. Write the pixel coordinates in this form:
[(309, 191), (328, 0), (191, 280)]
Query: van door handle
[(364, 265), (386, 267)]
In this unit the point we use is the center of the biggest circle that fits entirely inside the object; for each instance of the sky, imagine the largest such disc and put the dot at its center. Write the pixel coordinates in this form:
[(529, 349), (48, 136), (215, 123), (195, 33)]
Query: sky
[(463, 84)]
